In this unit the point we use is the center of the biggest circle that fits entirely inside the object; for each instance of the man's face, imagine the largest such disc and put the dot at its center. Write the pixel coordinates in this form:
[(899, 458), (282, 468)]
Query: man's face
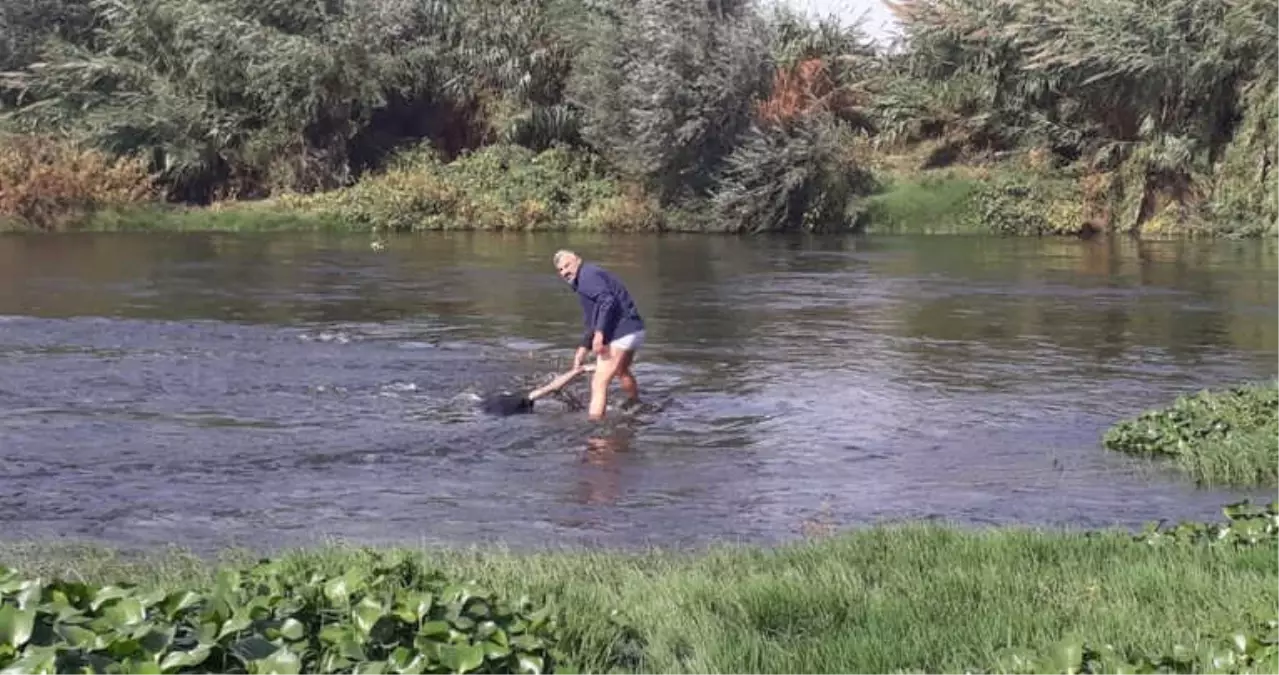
[(568, 268)]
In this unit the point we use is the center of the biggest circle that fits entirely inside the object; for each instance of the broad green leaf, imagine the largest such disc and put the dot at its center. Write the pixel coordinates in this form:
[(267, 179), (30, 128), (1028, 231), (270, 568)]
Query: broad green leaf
[(157, 639), (61, 606), (29, 595), (495, 651), (334, 633), (282, 662), (461, 658), (254, 648), (366, 613), (77, 637), (421, 604), (434, 628), (124, 613), (11, 582), (150, 598), (370, 668), (16, 625), (1243, 642), (332, 662), (499, 637), (404, 661), (351, 647), (175, 660), (177, 601), (141, 667), (207, 633), (525, 642), (292, 629), (106, 594), (124, 648), (34, 660), (463, 623), (530, 664), (485, 629), (234, 624), (336, 591)]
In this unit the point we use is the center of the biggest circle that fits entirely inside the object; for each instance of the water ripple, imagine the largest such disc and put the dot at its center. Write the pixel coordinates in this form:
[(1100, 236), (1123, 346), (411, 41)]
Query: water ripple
[(290, 391)]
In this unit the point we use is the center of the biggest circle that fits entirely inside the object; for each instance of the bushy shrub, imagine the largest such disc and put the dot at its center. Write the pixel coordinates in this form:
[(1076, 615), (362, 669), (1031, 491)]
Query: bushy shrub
[(797, 176), (51, 184), (1013, 204), (501, 187)]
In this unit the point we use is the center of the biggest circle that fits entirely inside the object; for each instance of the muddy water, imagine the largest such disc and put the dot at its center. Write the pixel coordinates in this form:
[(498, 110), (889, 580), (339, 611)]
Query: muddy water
[(278, 390)]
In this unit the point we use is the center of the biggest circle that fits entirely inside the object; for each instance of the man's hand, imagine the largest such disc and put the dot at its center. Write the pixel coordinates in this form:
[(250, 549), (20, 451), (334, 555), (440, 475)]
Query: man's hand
[(598, 346)]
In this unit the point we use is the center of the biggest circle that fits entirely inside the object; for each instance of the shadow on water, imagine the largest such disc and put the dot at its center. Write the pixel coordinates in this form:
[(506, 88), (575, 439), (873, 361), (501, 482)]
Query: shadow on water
[(212, 389)]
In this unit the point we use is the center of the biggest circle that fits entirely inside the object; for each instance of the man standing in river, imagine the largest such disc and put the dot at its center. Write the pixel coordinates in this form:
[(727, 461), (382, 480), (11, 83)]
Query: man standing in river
[(614, 330)]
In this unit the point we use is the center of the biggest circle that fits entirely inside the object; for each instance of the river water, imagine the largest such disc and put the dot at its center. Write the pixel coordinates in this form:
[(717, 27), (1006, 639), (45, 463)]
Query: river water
[(275, 390)]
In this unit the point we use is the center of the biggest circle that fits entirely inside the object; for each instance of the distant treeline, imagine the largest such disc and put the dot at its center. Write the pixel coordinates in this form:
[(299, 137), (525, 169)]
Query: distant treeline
[(746, 112)]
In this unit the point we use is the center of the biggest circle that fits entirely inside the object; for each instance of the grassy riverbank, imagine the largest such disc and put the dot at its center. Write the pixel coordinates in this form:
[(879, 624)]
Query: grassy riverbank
[(512, 188), (1218, 437), (886, 599)]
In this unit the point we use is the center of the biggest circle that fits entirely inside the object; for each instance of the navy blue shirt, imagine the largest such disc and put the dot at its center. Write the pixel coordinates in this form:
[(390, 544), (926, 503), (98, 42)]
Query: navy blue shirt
[(606, 305)]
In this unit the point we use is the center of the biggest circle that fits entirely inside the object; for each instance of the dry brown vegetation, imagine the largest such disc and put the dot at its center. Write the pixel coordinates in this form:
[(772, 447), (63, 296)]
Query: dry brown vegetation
[(52, 183)]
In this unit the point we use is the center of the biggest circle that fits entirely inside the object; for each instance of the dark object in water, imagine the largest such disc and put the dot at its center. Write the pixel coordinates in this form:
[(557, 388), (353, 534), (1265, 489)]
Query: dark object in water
[(508, 403)]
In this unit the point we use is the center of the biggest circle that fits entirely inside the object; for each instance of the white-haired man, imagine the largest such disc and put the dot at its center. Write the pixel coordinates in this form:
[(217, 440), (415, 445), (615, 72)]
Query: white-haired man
[(613, 327)]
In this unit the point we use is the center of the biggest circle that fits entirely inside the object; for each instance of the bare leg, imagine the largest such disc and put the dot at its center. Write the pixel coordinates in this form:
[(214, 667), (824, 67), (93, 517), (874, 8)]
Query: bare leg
[(605, 368), (626, 378)]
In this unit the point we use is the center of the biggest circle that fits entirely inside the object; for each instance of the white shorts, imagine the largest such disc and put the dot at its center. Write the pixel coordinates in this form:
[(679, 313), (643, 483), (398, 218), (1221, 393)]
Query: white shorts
[(631, 342)]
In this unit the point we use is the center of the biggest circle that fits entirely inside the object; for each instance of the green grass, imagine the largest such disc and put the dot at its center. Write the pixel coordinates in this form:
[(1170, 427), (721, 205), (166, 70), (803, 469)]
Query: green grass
[(238, 217), (1222, 437), (886, 599), (924, 203), (231, 217)]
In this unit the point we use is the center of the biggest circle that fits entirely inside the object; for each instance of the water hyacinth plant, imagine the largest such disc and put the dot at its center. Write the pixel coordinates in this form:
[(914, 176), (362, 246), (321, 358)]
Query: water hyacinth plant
[(1221, 437), (1246, 525), (390, 618)]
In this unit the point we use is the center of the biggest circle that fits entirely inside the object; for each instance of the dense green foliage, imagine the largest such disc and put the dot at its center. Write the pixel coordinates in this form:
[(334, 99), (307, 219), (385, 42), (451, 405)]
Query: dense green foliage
[(730, 115), (500, 187), (1199, 597), (272, 618), (1254, 649), (1246, 525), (1218, 437)]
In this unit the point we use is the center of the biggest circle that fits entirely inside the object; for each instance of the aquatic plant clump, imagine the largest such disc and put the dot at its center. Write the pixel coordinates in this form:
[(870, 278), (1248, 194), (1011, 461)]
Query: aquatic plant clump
[(1219, 437), (273, 618), (1253, 650), (1246, 525)]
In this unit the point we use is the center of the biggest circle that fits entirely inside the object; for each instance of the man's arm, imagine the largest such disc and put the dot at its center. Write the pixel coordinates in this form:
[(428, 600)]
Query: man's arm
[(588, 318)]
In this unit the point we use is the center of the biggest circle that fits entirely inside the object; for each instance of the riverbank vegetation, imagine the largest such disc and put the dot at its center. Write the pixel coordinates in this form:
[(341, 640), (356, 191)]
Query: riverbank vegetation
[(1218, 437), (916, 598), (1011, 116)]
